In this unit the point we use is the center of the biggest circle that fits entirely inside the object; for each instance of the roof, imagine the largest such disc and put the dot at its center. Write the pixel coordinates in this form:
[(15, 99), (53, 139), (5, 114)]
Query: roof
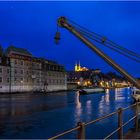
[(18, 50)]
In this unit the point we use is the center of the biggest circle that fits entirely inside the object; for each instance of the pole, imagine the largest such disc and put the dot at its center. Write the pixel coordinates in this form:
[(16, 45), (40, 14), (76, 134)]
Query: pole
[(81, 131), (10, 75), (63, 23), (136, 117), (120, 123)]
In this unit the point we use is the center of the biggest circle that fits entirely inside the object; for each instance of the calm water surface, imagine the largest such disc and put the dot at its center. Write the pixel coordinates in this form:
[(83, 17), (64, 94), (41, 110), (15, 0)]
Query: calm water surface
[(45, 115)]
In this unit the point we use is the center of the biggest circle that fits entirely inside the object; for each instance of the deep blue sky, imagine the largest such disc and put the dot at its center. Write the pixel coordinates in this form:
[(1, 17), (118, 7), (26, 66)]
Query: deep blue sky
[(32, 25)]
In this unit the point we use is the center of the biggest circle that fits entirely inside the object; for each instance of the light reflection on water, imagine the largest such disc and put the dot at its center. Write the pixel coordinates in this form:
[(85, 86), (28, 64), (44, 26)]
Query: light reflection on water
[(45, 115)]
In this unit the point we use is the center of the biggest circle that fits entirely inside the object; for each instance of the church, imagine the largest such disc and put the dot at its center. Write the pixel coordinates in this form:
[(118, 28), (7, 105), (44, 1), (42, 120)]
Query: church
[(79, 68)]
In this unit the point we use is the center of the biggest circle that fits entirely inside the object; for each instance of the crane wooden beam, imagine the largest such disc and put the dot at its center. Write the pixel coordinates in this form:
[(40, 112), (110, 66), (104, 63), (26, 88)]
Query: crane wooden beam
[(62, 22)]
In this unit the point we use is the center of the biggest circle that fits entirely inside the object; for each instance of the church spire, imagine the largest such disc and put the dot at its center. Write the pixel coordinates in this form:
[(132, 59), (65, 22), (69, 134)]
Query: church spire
[(76, 66)]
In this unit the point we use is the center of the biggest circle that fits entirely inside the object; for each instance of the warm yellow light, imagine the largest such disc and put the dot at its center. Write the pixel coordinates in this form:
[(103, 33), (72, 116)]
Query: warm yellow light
[(78, 83)]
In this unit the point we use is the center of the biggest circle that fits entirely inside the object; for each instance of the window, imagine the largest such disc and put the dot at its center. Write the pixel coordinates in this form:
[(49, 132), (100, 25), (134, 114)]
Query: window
[(21, 63), (38, 81), (8, 80), (21, 71), (15, 61), (7, 62), (0, 79), (8, 70), (15, 79), (0, 70), (21, 80), (15, 71)]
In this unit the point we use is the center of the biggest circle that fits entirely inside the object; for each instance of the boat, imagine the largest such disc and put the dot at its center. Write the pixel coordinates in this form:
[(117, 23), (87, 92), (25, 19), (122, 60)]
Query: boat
[(136, 94), (90, 90)]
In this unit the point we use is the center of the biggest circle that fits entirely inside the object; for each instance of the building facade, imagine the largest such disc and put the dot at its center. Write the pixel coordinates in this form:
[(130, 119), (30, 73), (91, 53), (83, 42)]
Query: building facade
[(20, 69), (4, 74), (21, 72), (53, 76)]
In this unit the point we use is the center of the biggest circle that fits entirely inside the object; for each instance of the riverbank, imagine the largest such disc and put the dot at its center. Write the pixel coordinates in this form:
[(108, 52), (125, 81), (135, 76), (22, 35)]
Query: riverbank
[(32, 92), (56, 91)]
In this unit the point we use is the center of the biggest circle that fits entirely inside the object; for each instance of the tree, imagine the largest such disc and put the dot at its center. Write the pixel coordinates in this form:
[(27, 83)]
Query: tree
[(1, 51)]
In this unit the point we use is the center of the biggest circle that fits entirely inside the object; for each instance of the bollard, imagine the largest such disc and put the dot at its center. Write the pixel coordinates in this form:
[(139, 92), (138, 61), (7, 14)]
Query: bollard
[(120, 123), (136, 117), (81, 130)]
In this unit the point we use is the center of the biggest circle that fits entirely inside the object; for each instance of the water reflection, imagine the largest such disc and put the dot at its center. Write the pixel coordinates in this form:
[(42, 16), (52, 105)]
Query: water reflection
[(45, 115), (89, 109), (13, 105), (78, 109), (107, 96)]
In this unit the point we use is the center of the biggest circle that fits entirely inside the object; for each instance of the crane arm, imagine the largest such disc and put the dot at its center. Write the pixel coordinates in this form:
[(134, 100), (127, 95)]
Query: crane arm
[(62, 22)]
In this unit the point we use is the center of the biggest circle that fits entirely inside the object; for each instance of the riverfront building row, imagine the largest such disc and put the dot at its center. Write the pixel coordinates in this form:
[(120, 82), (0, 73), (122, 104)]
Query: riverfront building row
[(20, 72)]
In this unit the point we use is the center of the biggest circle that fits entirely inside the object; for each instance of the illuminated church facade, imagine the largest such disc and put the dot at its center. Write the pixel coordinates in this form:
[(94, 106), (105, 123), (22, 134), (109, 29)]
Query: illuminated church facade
[(79, 68)]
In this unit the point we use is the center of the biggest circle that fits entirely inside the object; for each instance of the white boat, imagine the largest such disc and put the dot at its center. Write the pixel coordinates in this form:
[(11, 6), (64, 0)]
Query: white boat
[(91, 90), (136, 94)]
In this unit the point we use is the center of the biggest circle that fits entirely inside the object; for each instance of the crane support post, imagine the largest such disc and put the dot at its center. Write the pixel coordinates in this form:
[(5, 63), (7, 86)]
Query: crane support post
[(62, 22)]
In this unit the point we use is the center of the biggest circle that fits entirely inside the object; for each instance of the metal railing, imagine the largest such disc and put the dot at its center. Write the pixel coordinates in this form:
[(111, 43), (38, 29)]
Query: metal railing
[(80, 128)]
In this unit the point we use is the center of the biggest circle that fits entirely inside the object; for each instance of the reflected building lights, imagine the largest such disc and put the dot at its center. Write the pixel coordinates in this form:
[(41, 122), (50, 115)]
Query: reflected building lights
[(78, 109), (88, 107)]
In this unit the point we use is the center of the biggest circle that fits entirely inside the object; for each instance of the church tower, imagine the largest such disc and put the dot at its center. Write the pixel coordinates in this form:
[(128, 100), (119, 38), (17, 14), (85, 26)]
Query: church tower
[(77, 66)]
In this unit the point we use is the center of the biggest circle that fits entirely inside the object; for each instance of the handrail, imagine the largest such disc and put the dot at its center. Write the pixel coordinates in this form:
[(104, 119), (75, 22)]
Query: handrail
[(101, 118), (66, 132), (128, 107), (81, 126)]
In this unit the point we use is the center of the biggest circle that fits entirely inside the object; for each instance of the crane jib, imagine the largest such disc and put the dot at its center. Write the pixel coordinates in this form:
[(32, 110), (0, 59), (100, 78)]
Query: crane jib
[(62, 22)]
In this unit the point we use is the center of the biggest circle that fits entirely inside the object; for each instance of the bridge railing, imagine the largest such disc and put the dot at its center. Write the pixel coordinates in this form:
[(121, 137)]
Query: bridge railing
[(80, 128)]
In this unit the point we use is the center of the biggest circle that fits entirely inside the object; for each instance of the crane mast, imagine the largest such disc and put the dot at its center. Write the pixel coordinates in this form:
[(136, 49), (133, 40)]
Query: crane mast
[(62, 22)]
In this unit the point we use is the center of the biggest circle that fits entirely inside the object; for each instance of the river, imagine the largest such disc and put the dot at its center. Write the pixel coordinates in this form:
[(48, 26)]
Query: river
[(45, 115)]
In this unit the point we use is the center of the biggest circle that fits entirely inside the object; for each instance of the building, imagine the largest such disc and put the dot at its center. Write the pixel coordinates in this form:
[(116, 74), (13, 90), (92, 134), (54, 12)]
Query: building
[(53, 76), (4, 72), (21, 72), (20, 69), (36, 72), (84, 78), (79, 68)]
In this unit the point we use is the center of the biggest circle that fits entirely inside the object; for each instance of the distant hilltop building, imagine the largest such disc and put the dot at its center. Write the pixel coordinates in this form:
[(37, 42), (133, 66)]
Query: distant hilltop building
[(79, 68), (22, 72), (83, 76)]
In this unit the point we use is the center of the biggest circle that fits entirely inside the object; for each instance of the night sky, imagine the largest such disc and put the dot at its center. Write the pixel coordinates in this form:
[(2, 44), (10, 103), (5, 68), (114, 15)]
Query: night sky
[(32, 25)]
